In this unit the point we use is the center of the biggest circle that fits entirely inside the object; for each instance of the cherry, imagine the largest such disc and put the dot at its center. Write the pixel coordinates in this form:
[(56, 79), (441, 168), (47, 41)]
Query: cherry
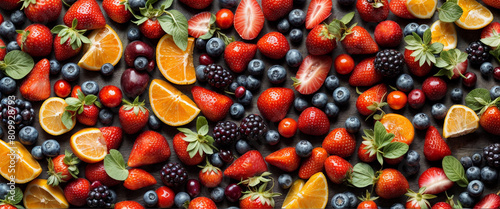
[(416, 98), (470, 79), (233, 192), (205, 59), (62, 88), (344, 64), (434, 88), (239, 92), (193, 187), (226, 155), (224, 18), (496, 73)]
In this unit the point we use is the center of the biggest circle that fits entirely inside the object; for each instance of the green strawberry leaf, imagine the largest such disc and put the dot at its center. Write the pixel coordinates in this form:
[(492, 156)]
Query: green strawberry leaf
[(67, 119), (13, 197), (493, 41), (476, 99), (454, 171), (17, 64), (175, 24), (115, 165), (199, 143), (362, 175), (200, 122), (395, 149), (167, 3), (450, 12), (496, 53), (347, 18)]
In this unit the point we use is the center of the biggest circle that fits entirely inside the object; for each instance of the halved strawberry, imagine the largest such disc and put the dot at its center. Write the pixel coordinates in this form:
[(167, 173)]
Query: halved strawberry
[(318, 11), (435, 180), (199, 24), (248, 19), (489, 201), (312, 73)]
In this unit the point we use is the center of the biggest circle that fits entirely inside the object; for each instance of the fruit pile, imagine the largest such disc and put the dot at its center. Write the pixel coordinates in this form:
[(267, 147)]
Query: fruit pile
[(347, 107)]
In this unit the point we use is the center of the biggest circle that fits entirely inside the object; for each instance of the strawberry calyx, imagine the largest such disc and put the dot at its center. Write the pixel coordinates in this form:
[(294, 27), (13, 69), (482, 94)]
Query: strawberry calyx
[(379, 141), (75, 37), (24, 36), (451, 202), (199, 142), (214, 30), (325, 33), (26, 3), (423, 50), (339, 29), (256, 180), (377, 4), (56, 178), (367, 197), (419, 198), (76, 106), (265, 196), (209, 168), (448, 60), (135, 106)]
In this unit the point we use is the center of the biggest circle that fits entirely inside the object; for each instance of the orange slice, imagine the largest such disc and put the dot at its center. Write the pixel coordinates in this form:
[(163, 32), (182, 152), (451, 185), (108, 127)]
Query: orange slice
[(175, 65), (294, 190), (445, 33), (23, 168), (50, 116), (105, 47), (314, 194), (422, 9), (170, 105), (89, 145), (475, 15), (400, 126), (39, 194), (460, 120)]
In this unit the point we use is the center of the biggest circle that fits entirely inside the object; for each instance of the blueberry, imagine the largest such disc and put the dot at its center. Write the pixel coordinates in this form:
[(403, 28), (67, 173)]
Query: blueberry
[(217, 194), (55, 67), (241, 80), (90, 87), (236, 111), (181, 197), (28, 135), (473, 173), (200, 44), (404, 82), (200, 75), (272, 137), (285, 181), (252, 83), (11, 46), (411, 170), (410, 28), (7, 85), (421, 121), (8, 30), (466, 162), (495, 92), (340, 201), (215, 47), (133, 34), (475, 188), (477, 159), (297, 17), (153, 122), (107, 69), (346, 2), (304, 148), (233, 86), (331, 82), (456, 95), (242, 146), (70, 71), (466, 200), (4, 190), (421, 29), (113, 195), (352, 124), (331, 110), (489, 175), (283, 26), (150, 198), (228, 3), (36, 152), (51, 148), (276, 74), (300, 104), (105, 116), (353, 200), (136, 4), (397, 206), (296, 35), (216, 161), (141, 63), (18, 18), (412, 158), (341, 95), (319, 100), (438, 111), (256, 67), (293, 58), (486, 69)]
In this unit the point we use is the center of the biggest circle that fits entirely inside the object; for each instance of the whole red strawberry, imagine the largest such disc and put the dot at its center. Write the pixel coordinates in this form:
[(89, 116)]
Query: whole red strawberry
[(42, 11), (371, 100), (213, 105), (435, 181), (10, 4), (238, 54), (419, 51), (133, 116), (313, 121), (490, 120), (276, 9), (86, 108), (492, 3), (197, 4), (36, 40), (113, 136), (249, 164), (373, 10), (275, 102), (359, 41), (36, 85), (273, 45), (442, 205), (96, 172), (339, 142), (62, 168), (391, 184), (151, 29), (388, 34), (435, 148), (200, 142), (202, 203), (88, 14), (285, 159), (364, 74), (180, 148), (138, 178), (3, 49), (492, 30), (64, 50), (210, 176), (313, 163), (149, 148), (489, 201), (77, 191), (117, 10), (413, 65), (319, 41), (129, 204), (398, 8), (337, 169), (258, 198)]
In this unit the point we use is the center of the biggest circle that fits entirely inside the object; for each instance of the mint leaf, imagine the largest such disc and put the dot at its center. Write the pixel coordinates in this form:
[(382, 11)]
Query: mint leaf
[(379, 132), (347, 18), (175, 24), (472, 102), (450, 12), (14, 198), (17, 64), (454, 171), (67, 119), (395, 149), (167, 3), (115, 165), (362, 175)]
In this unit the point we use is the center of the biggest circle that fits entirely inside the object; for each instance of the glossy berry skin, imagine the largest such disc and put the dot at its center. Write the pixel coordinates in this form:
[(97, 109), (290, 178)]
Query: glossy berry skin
[(344, 64), (200, 44), (105, 116), (296, 35), (165, 197), (421, 29), (8, 85), (224, 18), (237, 111), (486, 69), (412, 158), (293, 58), (352, 124), (256, 67), (193, 187), (495, 92), (397, 100), (11, 46), (331, 110), (339, 201), (107, 69), (496, 73), (273, 45), (341, 95), (90, 87), (466, 162), (287, 127), (233, 192), (285, 181), (473, 173), (181, 198), (410, 28), (36, 152), (217, 194), (368, 204), (272, 137), (28, 135), (70, 71), (252, 83), (303, 148), (470, 79), (55, 67), (242, 146), (421, 121), (8, 30), (200, 75), (215, 47), (466, 200), (205, 59), (319, 100), (457, 95), (434, 88), (51, 148), (404, 83), (477, 159), (17, 17), (475, 188), (489, 175), (296, 17), (300, 104), (110, 96), (331, 82), (133, 34), (283, 26), (62, 88), (150, 198), (438, 111), (276, 74), (416, 99), (141, 63), (37, 42)]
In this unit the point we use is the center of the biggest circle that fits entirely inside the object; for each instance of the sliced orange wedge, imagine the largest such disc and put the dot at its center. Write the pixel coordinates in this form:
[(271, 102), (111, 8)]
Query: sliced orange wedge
[(105, 47), (475, 15), (174, 64), (314, 193), (39, 194), (23, 167), (89, 145), (50, 116)]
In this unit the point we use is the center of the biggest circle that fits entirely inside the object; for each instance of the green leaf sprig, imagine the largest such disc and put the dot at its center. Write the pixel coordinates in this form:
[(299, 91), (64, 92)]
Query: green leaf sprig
[(13, 198), (448, 60), (199, 143), (379, 142), (76, 106), (494, 42), (17, 64), (362, 175), (339, 27), (479, 100), (420, 197), (450, 11), (423, 50), (454, 171), (214, 30), (55, 178), (115, 165), (256, 180), (75, 37)]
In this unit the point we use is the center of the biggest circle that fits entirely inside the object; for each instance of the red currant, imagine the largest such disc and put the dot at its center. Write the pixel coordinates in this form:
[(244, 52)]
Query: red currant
[(287, 127), (397, 100), (205, 59), (470, 79), (165, 197), (344, 64), (224, 18), (416, 98), (110, 96), (62, 88)]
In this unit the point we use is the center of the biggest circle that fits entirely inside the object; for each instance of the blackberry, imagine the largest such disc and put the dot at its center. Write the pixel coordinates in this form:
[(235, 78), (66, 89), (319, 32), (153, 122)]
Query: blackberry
[(389, 62), (18, 110), (226, 133), (173, 175), (100, 197), (253, 127), (217, 76), (478, 53), (491, 155)]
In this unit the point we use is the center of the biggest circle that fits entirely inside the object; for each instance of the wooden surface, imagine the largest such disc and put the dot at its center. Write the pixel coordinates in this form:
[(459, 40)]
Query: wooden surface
[(461, 146)]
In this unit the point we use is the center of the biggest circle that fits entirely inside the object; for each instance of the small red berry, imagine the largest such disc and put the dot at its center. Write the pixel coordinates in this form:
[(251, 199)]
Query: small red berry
[(110, 96), (434, 88), (344, 64), (287, 127), (62, 88), (165, 197), (239, 92), (397, 100), (75, 91), (470, 79), (416, 98), (496, 73), (205, 59), (224, 18)]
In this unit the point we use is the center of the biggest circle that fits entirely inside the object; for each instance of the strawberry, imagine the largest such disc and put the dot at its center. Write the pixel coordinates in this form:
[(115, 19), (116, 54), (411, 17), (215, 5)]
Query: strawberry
[(492, 3), (339, 142), (74, 91), (492, 30), (364, 74), (273, 45), (489, 201), (285, 159), (318, 11), (414, 67), (138, 178), (367, 202), (36, 86), (372, 100), (180, 148), (133, 116), (319, 41), (442, 205), (398, 8), (365, 154), (149, 148), (213, 105), (418, 200), (312, 73), (313, 163), (276, 9), (36, 40), (68, 41), (490, 120), (10, 4), (129, 204), (86, 108), (419, 53), (210, 176), (88, 14), (391, 184), (258, 198), (249, 164), (435, 148), (96, 172), (313, 121), (117, 10), (77, 191), (337, 169), (354, 39), (42, 11), (197, 4), (151, 29), (434, 180), (89, 115), (238, 54), (202, 203), (199, 24), (62, 168), (200, 142), (275, 102), (452, 63), (3, 49), (248, 19), (112, 135), (388, 34), (373, 10)]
